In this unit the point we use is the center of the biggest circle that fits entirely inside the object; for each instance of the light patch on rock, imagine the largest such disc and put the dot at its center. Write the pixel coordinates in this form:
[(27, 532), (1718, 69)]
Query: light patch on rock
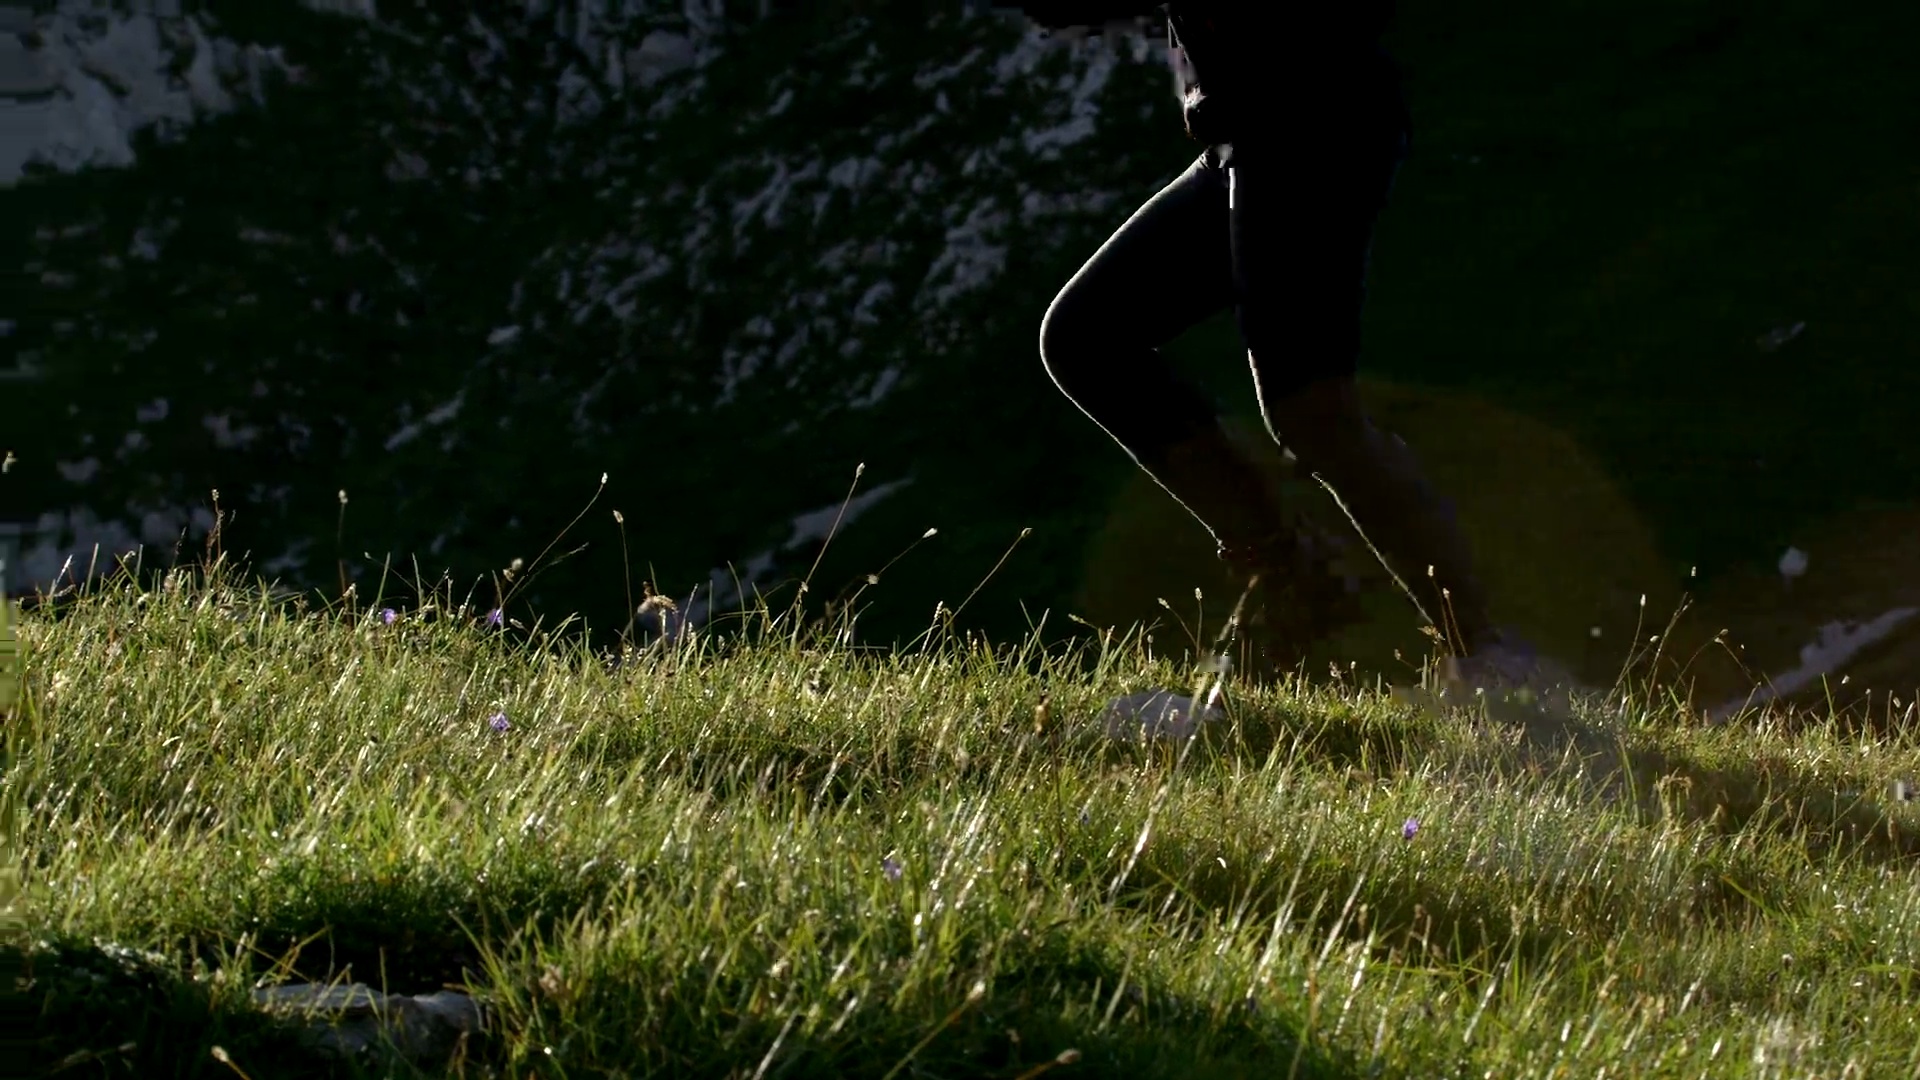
[(1083, 97), (1837, 643), (165, 528), (66, 548), (1793, 564), (438, 415), (100, 76), (78, 472), (767, 204), (356, 1021), (1156, 714), (660, 54), (728, 586), (972, 258), (815, 525), (290, 562), (855, 174), (883, 384), (225, 435)]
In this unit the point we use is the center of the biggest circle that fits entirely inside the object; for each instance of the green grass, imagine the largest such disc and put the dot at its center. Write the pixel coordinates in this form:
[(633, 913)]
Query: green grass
[(677, 866)]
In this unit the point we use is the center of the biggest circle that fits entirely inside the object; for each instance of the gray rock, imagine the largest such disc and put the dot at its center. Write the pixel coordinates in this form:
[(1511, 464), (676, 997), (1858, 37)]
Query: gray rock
[(659, 55), (16, 18), (24, 73), (351, 1021), (1156, 714)]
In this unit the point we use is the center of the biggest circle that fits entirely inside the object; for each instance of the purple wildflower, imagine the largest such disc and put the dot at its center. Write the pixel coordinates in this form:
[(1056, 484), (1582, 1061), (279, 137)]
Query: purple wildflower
[(890, 866), (498, 722), (493, 617), (388, 616), (1407, 830)]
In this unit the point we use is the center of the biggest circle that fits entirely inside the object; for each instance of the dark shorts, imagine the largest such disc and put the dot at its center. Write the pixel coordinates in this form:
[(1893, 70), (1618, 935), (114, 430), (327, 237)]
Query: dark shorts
[(1278, 228)]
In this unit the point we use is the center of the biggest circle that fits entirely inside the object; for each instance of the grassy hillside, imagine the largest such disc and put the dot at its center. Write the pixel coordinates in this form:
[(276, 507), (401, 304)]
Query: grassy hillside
[(788, 858)]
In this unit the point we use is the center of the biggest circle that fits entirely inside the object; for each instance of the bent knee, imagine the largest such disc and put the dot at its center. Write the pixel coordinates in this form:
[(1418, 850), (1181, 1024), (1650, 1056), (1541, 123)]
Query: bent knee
[(1323, 423), (1069, 338)]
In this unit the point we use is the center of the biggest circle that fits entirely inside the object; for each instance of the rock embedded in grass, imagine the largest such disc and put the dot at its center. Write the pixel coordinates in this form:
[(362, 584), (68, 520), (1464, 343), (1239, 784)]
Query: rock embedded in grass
[(1155, 714), (355, 1020)]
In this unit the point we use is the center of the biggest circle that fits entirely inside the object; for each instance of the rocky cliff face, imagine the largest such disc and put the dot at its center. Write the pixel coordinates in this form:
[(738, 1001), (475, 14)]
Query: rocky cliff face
[(403, 285), (402, 282)]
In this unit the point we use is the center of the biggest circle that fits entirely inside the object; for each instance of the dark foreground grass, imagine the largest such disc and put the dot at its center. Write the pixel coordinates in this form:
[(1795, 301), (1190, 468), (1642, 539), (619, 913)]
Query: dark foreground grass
[(788, 858)]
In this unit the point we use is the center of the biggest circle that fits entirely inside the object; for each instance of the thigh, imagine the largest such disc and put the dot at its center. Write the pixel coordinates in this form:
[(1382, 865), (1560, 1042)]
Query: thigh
[(1167, 268), (1303, 218)]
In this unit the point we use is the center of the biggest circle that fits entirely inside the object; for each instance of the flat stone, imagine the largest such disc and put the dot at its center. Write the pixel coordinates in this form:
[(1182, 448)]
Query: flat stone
[(349, 1000), (24, 72), (16, 19), (353, 1020), (1155, 714)]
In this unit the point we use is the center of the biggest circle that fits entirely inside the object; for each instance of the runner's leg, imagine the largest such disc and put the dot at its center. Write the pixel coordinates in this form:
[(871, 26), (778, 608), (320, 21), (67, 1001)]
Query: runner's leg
[(1166, 269), (1301, 238)]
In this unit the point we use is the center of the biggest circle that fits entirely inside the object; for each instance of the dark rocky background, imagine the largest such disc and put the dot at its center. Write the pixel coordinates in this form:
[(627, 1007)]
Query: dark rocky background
[(1644, 300)]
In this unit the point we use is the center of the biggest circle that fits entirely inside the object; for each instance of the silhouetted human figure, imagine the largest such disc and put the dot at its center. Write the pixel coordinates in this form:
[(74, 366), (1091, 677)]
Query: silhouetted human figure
[(1306, 125)]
